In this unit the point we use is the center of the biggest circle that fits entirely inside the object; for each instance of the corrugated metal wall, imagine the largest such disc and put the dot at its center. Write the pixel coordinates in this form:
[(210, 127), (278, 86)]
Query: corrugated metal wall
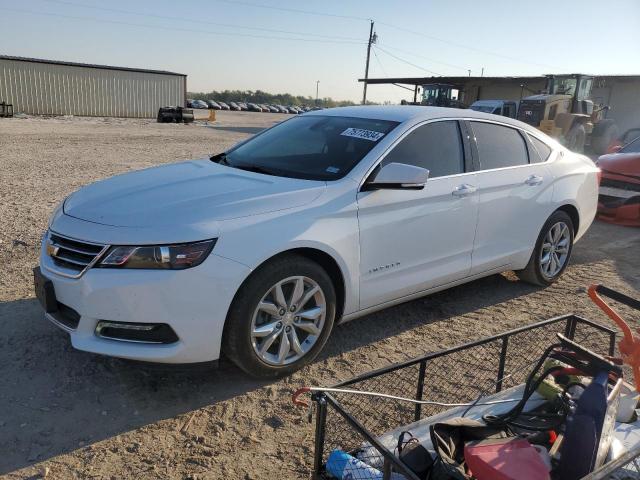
[(43, 88)]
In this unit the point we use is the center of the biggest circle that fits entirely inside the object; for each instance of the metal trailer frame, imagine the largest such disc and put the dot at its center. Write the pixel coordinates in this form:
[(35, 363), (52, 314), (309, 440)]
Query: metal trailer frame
[(331, 410)]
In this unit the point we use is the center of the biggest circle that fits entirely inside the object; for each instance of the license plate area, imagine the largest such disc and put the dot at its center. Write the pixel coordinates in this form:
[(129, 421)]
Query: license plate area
[(45, 292)]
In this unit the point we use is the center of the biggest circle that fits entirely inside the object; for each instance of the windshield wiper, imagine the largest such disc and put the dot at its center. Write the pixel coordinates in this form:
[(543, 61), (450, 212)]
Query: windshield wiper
[(254, 168), (220, 158)]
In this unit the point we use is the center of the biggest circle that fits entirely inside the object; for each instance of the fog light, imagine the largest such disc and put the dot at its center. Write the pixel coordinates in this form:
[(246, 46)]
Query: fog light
[(136, 332)]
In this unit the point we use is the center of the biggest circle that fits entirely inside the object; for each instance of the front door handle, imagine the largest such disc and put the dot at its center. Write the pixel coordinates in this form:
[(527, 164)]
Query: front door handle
[(534, 180), (463, 190)]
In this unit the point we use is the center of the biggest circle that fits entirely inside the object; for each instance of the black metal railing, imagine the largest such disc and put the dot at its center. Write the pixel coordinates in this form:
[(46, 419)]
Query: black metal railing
[(354, 423)]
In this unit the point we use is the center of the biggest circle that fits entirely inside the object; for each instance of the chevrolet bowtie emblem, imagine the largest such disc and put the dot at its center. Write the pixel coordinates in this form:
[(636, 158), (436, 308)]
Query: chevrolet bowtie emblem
[(52, 250)]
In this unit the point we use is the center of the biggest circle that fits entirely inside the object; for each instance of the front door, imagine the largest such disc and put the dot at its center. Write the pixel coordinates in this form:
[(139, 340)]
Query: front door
[(413, 240)]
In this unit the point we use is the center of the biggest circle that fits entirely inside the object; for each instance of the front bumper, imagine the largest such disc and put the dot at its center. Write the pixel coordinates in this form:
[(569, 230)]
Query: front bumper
[(620, 206), (627, 215), (193, 302)]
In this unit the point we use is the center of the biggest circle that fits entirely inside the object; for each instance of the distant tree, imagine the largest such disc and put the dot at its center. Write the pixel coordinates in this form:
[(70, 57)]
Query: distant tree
[(258, 96)]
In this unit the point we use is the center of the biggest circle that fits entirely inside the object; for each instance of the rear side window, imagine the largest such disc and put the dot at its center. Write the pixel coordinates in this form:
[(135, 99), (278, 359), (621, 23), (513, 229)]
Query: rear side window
[(499, 146), (435, 146), (540, 151)]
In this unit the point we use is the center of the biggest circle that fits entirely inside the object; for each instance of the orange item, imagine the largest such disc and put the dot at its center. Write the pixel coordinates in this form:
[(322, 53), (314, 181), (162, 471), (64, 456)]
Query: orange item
[(629, 345)]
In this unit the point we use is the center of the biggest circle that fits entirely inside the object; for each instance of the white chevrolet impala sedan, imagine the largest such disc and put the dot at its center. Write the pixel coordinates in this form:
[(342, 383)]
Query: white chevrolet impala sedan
[(259, 251)]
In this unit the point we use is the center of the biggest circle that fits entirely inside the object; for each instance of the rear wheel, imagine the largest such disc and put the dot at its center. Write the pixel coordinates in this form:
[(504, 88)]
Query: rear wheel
[(552, 252), (281, 317), (604, 133)]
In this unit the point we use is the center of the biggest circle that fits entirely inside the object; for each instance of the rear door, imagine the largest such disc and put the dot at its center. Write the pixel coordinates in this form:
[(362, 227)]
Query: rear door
[(412, 240), (514, 196)]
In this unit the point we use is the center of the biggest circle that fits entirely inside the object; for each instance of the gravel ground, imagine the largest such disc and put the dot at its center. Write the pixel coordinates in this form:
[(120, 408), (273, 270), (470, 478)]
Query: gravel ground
[(77, 415)]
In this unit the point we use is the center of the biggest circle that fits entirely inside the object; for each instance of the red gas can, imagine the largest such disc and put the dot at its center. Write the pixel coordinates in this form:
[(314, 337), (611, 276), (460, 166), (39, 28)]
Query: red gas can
[(505, 459)]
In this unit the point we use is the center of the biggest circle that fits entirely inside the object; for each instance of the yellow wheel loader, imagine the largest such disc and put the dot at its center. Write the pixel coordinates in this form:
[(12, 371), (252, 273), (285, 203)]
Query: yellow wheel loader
[(567, 113)]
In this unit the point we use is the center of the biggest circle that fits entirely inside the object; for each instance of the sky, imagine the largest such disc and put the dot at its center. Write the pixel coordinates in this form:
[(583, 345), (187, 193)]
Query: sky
[(286, 46)]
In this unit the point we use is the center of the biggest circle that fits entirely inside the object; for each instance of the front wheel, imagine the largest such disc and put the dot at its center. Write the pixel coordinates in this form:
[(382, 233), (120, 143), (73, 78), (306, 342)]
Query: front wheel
[(281, 317), (552, 252)]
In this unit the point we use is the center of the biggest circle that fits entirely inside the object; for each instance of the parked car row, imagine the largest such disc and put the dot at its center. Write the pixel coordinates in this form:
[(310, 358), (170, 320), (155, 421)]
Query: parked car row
[(250, 107)]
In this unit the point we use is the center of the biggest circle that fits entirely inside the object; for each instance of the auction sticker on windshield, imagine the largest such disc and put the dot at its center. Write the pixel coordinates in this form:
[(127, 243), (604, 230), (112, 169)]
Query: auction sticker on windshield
[(363, 134)]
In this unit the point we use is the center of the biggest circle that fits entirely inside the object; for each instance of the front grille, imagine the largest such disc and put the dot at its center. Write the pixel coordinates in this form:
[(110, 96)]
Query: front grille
[(607, 182), (531, 113), (71, 254)]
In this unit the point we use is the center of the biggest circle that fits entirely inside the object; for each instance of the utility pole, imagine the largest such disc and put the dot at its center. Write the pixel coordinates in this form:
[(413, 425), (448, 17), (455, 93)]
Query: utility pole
[(372, 39), (317, 83)]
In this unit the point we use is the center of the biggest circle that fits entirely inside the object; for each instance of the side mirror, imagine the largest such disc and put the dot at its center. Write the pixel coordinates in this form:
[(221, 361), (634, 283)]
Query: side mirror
[(614, 148), (398, 176)]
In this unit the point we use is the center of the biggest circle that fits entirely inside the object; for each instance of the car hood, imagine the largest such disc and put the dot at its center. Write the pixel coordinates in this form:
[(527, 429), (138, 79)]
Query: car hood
[(187, 193), (627, 164)]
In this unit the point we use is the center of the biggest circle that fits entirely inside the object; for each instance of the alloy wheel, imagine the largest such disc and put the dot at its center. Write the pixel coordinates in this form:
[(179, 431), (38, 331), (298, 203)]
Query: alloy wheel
[(555, 250), (288, 320)]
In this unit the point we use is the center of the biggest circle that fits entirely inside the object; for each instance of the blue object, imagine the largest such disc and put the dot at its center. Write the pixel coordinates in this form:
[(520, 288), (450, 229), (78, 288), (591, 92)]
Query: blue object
[(345, 467), (583, 430)]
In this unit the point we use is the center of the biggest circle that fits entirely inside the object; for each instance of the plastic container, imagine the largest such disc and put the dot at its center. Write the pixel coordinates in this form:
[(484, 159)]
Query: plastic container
[(343, 466)]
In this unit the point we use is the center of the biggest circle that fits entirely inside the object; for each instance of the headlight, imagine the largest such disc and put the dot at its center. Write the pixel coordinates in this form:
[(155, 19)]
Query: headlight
[(172, 257)]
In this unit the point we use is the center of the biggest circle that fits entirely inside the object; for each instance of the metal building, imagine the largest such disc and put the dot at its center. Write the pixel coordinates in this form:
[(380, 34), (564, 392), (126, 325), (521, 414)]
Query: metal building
[(46, 87), (620, 92)]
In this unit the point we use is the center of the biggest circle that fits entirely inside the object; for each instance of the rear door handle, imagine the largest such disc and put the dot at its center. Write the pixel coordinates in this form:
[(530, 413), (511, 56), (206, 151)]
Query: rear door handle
[(463, 190), (534, 180)]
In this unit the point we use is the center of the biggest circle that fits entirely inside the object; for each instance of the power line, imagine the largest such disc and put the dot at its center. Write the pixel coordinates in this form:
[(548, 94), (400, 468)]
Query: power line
[(189, 30), (192, 20), (459, 45), (353, 17), (426, 58), (380, 63), (294, 10), (407, 61)]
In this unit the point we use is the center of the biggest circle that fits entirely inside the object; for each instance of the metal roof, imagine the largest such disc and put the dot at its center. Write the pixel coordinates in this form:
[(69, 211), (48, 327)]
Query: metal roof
[(463, 79), (88, 65)]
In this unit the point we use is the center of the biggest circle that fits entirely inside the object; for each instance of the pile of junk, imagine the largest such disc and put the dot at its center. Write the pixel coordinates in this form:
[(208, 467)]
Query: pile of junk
[(552, 400)]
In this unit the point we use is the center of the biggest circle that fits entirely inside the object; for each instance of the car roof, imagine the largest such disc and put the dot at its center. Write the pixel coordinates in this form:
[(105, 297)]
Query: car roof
[(414, 113)]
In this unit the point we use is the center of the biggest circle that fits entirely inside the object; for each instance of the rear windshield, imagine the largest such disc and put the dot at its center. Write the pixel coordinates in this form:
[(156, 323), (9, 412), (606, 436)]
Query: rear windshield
[(632, 147), (482, 108), (311, 147)]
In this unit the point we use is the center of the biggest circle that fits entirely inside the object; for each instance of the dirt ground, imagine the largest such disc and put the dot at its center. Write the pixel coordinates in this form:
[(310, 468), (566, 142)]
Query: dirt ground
[(78, 415)]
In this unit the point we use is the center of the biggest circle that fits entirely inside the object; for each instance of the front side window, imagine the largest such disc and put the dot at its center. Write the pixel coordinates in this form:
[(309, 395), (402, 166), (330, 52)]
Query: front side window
[(499, 146), (311, 147), (435, 146)]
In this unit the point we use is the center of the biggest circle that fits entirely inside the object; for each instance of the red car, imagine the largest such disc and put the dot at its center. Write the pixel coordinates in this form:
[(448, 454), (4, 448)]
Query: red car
[(619, 198)]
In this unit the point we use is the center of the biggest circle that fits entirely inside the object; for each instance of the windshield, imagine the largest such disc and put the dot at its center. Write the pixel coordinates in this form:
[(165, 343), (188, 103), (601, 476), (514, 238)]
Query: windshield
[(563, 86), (310, 147), (632, 147), (482, 108)]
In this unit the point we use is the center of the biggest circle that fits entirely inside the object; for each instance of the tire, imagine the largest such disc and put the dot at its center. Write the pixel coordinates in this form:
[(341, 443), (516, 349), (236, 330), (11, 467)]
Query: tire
[(536, 271), (576, 138), (260, 354), (604, 133)]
